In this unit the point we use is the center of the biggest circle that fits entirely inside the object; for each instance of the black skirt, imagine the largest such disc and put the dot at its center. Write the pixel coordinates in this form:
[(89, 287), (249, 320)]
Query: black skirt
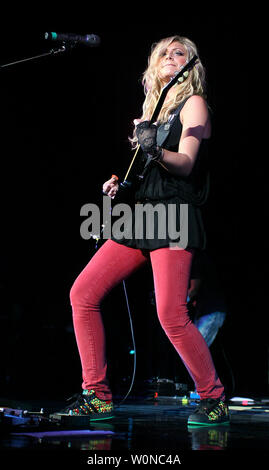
[(153, 224)]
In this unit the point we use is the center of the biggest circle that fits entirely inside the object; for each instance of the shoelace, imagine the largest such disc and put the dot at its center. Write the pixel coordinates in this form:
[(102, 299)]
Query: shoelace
[(206, 406)]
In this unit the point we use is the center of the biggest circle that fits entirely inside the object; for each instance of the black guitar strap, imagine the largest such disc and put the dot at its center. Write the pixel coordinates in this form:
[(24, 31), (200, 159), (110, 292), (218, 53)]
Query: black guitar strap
[(164, 129)]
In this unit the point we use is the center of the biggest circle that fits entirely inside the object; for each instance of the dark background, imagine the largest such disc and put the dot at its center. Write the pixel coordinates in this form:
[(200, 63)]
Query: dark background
[(65, 126)]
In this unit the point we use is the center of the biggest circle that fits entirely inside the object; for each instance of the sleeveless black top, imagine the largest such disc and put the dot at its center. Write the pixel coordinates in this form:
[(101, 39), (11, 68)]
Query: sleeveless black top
[(161, 189)]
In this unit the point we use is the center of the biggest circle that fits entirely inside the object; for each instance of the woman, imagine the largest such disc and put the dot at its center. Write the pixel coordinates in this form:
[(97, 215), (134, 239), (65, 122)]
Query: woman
[(176, 175)]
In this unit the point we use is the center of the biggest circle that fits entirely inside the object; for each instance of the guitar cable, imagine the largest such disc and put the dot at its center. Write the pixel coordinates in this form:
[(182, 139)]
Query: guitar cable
[(97, 239), (133, 341)]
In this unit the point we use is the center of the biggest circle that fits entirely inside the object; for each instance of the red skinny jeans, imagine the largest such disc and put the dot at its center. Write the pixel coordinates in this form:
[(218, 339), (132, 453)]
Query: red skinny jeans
[(113, 263)]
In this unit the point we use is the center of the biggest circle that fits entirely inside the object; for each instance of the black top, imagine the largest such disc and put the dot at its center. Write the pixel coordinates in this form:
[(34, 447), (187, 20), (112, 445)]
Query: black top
[(166, 192)]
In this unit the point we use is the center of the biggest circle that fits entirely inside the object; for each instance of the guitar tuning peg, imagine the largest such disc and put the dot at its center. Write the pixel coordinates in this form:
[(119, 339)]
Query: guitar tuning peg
[(183, 77)]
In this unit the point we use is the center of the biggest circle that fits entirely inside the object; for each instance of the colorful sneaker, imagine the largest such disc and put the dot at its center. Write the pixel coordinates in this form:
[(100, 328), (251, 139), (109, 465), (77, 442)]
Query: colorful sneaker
[(87, 404), (210, 412)]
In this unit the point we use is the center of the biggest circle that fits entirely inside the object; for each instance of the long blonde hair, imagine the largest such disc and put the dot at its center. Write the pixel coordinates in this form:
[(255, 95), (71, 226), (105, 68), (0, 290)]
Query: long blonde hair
[(194, 84)]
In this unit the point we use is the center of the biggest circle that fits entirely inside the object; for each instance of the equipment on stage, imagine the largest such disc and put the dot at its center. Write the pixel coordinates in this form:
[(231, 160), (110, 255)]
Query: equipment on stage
[(12, 418), (18, 421)]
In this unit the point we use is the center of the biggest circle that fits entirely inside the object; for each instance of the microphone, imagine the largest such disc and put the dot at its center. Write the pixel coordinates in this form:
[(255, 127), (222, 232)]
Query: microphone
[(89, 40)]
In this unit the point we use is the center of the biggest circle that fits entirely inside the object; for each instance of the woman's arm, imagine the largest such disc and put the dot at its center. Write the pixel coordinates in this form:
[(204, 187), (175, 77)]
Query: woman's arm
[(195, 126)]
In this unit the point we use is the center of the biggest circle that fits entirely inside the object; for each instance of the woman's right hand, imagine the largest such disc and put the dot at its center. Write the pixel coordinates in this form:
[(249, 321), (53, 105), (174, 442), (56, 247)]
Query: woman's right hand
[(111, 187)]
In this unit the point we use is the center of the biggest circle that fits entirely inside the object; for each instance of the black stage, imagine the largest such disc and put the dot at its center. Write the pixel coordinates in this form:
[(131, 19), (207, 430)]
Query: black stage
[(152, 431), (66, 123)]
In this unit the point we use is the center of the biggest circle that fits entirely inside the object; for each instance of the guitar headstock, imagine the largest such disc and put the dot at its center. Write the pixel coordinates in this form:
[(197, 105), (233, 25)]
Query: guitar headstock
[(181, 73)]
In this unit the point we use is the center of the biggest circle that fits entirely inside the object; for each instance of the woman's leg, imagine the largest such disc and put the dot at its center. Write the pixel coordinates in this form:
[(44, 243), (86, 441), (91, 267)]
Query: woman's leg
[(111, 264), (171, 270)]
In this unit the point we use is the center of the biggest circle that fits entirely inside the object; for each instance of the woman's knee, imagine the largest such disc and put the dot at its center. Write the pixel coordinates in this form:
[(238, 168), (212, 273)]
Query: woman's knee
[(173, 320), (79, 293), (74, 294)]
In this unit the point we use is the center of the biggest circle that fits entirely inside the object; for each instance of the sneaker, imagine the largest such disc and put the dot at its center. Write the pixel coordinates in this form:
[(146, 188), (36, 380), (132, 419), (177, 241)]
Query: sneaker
[(210, 412), (87, 404)]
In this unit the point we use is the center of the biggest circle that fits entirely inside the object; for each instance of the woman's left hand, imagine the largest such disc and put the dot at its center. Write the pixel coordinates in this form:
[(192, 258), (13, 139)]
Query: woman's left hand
[(146, 135)]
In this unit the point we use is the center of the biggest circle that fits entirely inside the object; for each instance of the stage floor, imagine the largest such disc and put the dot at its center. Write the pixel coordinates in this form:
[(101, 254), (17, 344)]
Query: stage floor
[(141, 428)]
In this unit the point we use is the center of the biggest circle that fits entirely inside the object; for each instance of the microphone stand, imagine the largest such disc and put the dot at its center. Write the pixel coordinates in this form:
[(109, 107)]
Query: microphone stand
[(61, 49)]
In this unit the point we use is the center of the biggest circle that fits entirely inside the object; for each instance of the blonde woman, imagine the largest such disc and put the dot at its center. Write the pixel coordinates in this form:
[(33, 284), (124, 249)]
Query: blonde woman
[(176, 176)]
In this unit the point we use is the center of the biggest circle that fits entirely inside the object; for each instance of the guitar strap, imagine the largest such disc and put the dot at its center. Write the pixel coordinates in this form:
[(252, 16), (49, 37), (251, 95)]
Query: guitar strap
[(164, 129)]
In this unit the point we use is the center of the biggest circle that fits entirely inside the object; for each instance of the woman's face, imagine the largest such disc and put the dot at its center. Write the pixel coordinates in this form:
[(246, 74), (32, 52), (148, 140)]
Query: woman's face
[(171, 61)]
